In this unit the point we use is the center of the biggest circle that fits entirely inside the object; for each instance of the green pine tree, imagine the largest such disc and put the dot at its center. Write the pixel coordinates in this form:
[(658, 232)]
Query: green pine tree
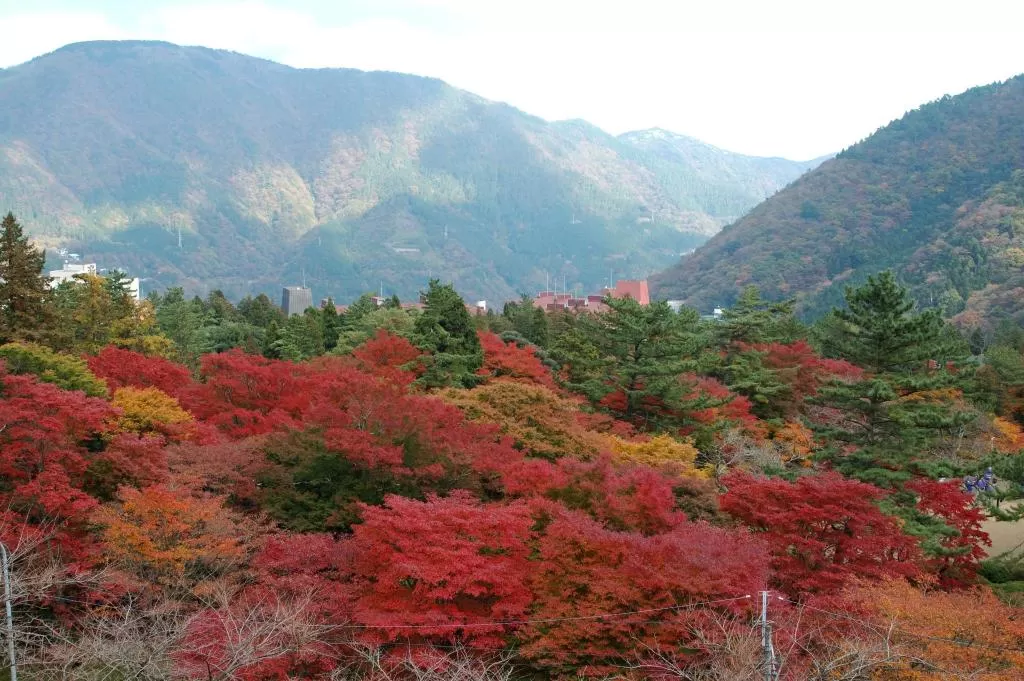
[(640, 353), (260, 311), (363, 306), (446, 330), (755, 320), (182, 321), (300, 338), (528, 320), (906, 399), (25, 313), (270, 339), (330, 325)]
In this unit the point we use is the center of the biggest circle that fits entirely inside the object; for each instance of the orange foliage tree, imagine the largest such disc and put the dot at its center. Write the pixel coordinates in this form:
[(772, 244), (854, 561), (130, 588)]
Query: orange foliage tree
[(165, 535), (941, 635)]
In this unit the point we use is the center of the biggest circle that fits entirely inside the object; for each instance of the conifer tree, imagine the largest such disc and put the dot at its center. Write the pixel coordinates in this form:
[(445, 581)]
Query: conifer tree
[(273, 335), (259, 311), (908, 394), (446, 330), (755, 320), (330, 325), (527, 320), (24, 295), (361, 307), (641, 351), (301, 337)]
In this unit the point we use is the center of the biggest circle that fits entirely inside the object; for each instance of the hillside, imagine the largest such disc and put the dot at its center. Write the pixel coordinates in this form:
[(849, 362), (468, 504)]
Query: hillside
[(726, 184), (354, 179), (938, 195)]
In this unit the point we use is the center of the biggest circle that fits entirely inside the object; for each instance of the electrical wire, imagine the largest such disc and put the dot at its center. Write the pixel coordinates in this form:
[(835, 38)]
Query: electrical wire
[(906, 632), (551, 620)]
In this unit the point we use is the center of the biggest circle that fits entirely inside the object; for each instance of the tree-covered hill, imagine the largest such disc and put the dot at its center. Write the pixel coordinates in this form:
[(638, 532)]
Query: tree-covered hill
[(937, 195), (352, 178)]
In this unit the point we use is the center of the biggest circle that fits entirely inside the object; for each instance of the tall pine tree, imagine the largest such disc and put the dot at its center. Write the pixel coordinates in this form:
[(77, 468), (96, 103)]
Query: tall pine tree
[(24, 294), (636, 355), (755, 320), (446, 330), (910, 391)]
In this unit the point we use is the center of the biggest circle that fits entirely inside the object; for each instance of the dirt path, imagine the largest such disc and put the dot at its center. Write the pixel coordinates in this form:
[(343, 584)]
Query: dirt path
[(1004, 536)]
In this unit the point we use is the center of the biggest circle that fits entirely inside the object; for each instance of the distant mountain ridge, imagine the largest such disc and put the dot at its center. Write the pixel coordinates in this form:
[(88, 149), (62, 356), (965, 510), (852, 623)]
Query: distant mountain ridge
[(354, 179), (937, 195)]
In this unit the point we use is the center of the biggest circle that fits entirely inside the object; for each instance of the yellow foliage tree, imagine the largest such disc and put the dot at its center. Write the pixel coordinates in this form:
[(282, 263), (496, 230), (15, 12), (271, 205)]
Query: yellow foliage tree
[(145, 410), (658, 451), (539, 420), (138, 331), (165, 535)]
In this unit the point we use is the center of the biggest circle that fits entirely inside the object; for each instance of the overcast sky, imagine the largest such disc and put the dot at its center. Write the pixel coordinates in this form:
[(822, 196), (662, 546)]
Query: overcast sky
[(794, 78)]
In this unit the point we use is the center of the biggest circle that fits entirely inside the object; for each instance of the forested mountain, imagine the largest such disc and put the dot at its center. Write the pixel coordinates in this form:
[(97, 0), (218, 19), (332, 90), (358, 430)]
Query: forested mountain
[(726, 184), (938, 195), (354, 178)]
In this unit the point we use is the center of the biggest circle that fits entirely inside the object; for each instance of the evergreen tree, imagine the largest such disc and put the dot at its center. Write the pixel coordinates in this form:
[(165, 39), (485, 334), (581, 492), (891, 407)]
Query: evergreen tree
[(528, 320), (880, 332), (641, 352), (752, 321), (446, 330), (908, 395), (300, 338), (363, 306), (330, 325), (221, 308), (395, 322), (24, 295), (259, 311), (755, 320), (182, 321), (270, 340)]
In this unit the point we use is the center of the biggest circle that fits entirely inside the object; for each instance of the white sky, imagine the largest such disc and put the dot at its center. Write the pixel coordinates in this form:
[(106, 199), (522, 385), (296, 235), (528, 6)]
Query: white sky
[(794, 78)]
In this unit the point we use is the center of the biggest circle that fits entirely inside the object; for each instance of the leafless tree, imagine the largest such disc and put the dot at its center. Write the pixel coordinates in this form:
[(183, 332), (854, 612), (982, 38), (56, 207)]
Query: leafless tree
[(236, 631), (366, 662)]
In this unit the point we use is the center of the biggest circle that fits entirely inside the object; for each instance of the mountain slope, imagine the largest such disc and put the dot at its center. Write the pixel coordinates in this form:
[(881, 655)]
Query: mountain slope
[(725, 183), (934, 195), (264, 173)]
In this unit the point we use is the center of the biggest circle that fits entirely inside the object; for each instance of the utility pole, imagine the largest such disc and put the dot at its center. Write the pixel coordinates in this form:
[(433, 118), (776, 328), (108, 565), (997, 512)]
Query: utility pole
[(7, 606), (766, 641)]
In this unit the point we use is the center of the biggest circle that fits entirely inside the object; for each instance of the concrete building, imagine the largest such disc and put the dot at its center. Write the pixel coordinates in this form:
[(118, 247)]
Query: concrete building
[(295, 300), (70, 270)]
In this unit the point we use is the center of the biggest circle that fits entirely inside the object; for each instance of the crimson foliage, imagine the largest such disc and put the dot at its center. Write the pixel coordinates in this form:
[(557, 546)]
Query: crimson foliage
[(823, 530)]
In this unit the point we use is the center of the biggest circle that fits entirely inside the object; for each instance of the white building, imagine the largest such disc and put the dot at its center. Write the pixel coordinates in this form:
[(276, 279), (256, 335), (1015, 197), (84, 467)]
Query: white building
[(71, 270)]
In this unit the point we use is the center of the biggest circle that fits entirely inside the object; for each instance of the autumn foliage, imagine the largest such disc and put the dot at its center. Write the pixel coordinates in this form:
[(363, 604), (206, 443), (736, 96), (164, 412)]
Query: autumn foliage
[(823, 531), (510, 361), (344, 516)]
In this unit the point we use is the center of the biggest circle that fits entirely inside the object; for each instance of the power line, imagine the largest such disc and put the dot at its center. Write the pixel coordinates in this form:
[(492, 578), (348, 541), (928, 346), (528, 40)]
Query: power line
[(550, 620), (906, 632)]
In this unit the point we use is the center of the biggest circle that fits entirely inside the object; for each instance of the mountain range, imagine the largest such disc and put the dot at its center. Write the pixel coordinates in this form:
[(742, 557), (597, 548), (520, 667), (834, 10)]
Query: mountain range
[(210, 169), (937, 195)]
